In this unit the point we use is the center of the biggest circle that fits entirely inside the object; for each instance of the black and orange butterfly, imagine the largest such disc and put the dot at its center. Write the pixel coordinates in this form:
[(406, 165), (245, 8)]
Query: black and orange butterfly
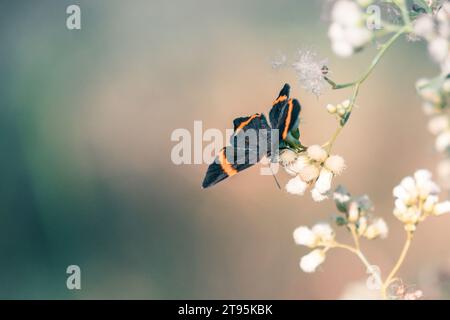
[(241, 154)]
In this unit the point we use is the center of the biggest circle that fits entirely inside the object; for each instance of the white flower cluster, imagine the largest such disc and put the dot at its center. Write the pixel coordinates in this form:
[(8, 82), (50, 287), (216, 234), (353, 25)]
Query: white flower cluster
[(435, 93), (357, 213), (436, 96), (320, 235), (348, 31), (440, 126), (417, 198), (313, 167), (435, 29)]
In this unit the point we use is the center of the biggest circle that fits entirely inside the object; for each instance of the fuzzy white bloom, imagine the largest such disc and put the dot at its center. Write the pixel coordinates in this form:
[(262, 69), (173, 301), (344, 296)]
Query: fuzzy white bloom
[(435, 29), (312, 260), (324, 232), (347, 30), (310, 71), (342, 48), (317, 196), (443, 141), (287, 157), (416, 197), (305, 237), (438, 124), (297, 165), (441, 208), (424, 26), (320, 234), (317, 153), (309, 173), (323, 183), (346, 13), (428, 205), (296, 186), (335, 164), (376, 229), (438, 49)]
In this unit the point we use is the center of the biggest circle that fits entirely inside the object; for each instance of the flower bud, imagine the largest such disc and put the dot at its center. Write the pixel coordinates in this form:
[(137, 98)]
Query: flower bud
[(331, 108), (312, 260), (296, 186), (305, 237), (317, 153)]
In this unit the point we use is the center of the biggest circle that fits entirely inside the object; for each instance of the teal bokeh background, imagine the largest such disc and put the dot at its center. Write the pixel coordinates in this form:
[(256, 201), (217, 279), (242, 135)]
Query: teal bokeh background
[(85, 124)]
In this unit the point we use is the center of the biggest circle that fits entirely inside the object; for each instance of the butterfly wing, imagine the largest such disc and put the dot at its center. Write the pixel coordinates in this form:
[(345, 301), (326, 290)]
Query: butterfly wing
[(247, 148), (289, 119), (278, 106)]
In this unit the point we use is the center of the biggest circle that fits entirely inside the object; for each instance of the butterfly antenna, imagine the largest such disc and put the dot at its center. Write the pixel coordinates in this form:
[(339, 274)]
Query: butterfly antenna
[(275, 177)]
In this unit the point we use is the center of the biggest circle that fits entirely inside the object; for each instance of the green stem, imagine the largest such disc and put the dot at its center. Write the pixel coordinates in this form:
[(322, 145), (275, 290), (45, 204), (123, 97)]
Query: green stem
[(356, 85), (397, 266)]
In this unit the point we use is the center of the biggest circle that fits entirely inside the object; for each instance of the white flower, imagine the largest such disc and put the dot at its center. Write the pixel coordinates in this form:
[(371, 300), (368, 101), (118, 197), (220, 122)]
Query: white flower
[(438, 49), (424, 26), (342, 48), (312, 260), (323, 183), (335, 164), (309, 69), (346, 13), (309, 173), (320, 234), (297, 165), (442, 208), (305, 237), (287, 157), (324, 232), (443, 141), (317, 196), (401, 193), (347, 31), (429, 203), (296, 186), (376, 229), (317, 153), (416, 198), (357, 37), (438, 124)]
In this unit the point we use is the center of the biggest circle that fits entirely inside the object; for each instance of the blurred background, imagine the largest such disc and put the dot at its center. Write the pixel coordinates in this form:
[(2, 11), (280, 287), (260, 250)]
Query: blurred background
[(86, 175)]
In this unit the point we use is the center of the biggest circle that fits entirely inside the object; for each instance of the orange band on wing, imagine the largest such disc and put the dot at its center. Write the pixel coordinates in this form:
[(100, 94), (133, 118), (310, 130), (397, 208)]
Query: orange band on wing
[(226, 166), (288, 120), (280, 99), (244, 123)]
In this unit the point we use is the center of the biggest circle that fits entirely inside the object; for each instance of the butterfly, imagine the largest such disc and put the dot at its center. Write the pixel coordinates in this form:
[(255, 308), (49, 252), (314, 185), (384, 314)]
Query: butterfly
[(281, 133)]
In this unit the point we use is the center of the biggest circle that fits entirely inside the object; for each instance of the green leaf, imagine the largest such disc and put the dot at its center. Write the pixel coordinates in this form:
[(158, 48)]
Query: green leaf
[(341, 221), (345, 118), (420, 7)]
